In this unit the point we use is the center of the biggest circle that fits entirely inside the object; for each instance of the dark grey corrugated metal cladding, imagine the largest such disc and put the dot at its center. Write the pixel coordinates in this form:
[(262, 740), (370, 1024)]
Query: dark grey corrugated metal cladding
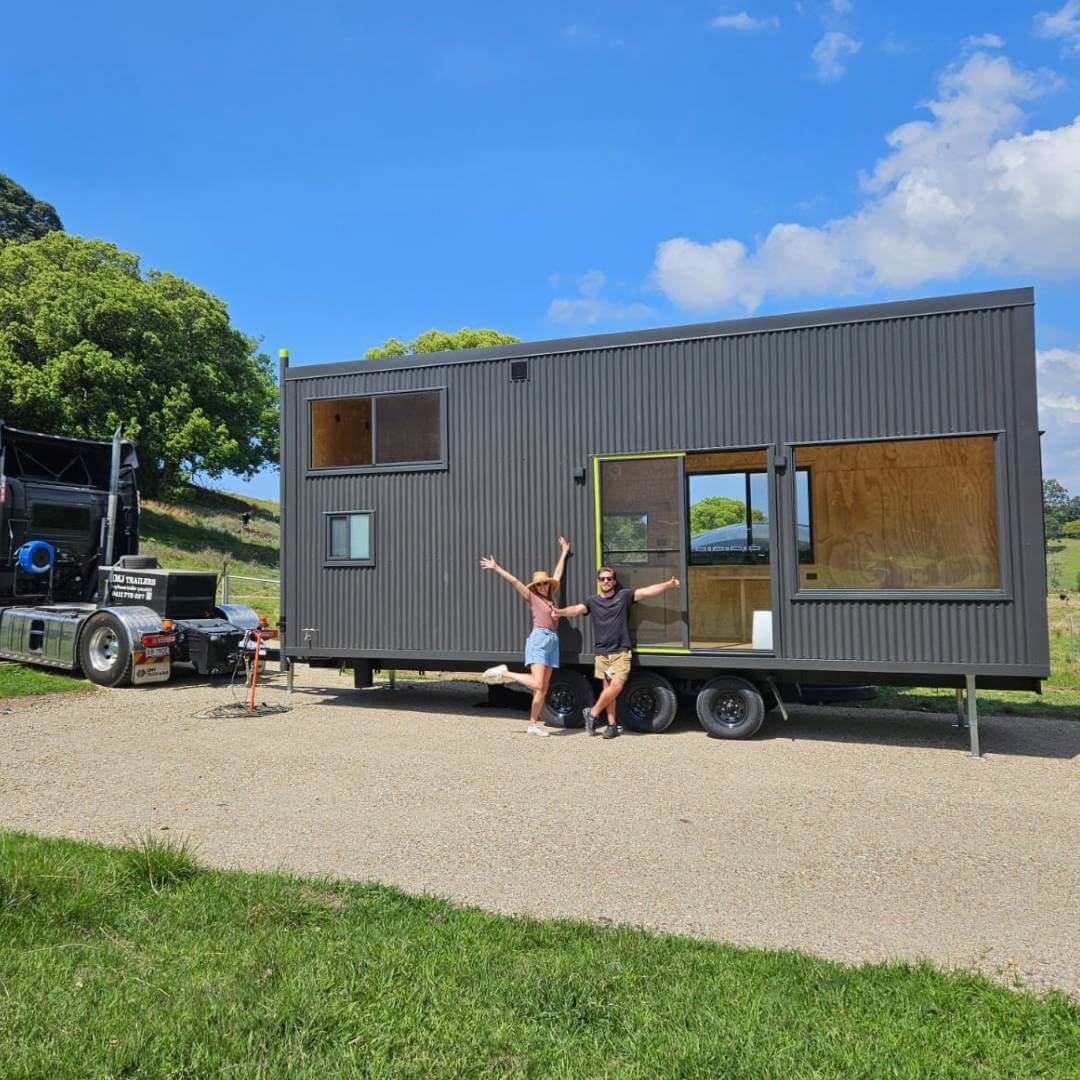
[(942, 366)]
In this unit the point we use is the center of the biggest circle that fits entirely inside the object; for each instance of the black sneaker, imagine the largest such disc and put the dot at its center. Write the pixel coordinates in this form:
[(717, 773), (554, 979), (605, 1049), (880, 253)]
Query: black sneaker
[(590, 721), (610, 731)]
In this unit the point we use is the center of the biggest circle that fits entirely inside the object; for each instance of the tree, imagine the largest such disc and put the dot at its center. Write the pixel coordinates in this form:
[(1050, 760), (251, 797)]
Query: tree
[(1055, 508), (22, 217), (440, 341), (1071, 529), (88, 343), (715, 511)]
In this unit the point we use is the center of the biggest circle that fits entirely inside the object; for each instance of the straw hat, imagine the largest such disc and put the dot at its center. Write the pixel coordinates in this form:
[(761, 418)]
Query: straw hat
[(541, 577)]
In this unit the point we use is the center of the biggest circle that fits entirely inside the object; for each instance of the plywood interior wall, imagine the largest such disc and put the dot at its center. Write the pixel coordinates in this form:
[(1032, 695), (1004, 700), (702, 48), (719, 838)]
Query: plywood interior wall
[(714, 461), (913, 514), (340, 433)]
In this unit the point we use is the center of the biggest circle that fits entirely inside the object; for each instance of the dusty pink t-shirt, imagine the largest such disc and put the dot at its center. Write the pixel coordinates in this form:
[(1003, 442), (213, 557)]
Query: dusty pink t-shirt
[(540, 610)]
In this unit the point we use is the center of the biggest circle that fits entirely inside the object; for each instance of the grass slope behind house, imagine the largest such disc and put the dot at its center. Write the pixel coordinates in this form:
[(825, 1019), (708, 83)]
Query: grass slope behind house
[(201, 529), (139, 962)]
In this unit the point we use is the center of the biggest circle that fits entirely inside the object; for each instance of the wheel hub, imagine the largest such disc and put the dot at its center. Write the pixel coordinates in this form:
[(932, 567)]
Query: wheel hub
[(730, 709), (104, 649), (643, 704)]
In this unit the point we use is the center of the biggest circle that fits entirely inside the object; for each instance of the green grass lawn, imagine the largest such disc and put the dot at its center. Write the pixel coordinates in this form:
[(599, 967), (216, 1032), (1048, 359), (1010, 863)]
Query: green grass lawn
[(1065, 555), (19, 681), (140, 963)]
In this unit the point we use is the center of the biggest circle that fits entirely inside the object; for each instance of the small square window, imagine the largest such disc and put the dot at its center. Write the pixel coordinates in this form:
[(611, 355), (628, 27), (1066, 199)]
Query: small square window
[(350, 538)]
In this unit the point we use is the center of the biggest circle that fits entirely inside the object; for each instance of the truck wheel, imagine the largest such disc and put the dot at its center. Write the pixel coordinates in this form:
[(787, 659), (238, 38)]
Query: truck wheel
[(648, 703), (730, 708), (104, 652), (568, 693)]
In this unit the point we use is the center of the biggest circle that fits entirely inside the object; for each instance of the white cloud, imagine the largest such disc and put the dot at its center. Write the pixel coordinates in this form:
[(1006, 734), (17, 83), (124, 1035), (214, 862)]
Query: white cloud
[(1063, 24), (964, 191), (744, 21), (984, 41), (1059, 415), (829, 53), (591, 307), (841, 7)]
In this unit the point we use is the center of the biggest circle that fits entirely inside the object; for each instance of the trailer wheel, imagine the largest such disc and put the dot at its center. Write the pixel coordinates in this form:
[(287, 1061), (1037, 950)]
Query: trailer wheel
[(730, 708), (648, 703), (568, 693), (104, 652)]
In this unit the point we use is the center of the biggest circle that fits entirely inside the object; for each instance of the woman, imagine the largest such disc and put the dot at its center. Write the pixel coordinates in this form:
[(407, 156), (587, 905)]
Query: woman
[(542, 645)]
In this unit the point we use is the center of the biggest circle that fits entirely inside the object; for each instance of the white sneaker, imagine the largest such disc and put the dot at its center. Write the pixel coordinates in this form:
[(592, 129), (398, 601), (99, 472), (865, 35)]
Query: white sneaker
[(494, 675), (534, 730)]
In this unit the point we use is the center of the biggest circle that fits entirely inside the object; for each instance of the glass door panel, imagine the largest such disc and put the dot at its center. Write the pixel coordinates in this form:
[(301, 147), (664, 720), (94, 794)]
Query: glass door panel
[(641, 538), (729, 574)]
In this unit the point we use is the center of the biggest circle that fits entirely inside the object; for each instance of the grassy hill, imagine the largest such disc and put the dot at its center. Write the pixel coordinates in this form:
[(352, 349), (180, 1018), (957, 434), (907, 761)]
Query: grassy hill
[(201, 529), (1064, 556)]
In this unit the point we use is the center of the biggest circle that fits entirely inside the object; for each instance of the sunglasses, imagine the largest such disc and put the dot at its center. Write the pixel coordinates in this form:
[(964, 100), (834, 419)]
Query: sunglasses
[(605, 577)]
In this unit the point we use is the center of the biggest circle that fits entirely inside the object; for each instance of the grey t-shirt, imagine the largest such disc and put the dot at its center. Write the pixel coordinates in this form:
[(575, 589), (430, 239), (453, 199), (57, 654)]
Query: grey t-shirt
[(611, 621)]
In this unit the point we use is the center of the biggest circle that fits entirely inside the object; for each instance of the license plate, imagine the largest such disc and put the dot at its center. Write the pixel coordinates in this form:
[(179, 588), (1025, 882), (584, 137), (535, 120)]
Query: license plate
[(156, 651)]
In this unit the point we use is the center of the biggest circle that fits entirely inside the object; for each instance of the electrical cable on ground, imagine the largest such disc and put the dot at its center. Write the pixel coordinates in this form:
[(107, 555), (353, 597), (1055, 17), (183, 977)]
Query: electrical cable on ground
[(237, 709)]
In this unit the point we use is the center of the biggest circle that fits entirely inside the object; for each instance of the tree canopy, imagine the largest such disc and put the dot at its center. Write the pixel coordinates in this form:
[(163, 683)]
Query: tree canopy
[(1058, 508), (88, 342), (22, 217), (440, 341), (715, 511)]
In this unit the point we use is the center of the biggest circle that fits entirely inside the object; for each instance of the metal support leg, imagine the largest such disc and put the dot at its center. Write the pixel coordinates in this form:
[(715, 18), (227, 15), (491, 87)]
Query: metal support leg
[(289, 665), (972, 716), (960, 723), (393, 679)]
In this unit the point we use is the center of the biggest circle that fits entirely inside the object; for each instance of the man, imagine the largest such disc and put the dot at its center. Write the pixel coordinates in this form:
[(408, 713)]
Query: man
[(610, 611)]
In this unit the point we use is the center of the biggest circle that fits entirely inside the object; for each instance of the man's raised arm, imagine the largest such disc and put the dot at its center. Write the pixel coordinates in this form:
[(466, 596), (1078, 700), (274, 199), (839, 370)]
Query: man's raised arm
[(657, 589)]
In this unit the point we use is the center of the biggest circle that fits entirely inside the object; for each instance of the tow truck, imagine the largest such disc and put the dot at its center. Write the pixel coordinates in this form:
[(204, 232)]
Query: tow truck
[(76, 594)]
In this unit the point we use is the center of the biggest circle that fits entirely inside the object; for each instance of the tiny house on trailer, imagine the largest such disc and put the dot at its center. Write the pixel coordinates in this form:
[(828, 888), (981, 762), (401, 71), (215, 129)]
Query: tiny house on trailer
[(850, 495)]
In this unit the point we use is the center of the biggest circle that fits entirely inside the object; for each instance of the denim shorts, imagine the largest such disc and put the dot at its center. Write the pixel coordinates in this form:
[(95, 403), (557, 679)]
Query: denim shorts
[(542, 647)]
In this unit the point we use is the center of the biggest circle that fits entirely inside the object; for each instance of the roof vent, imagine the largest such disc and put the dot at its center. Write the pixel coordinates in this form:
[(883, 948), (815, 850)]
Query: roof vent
[(519, 370)]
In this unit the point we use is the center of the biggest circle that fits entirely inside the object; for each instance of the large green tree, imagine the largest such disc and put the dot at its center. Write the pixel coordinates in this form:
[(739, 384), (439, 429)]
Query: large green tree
[(440, 341), (22, 217), (715, 511), (89, 342)]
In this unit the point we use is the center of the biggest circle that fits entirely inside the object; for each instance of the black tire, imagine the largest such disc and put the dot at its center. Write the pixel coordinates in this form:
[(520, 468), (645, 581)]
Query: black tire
[(648, 703), (730, 708), (104, 651), (568, 693)]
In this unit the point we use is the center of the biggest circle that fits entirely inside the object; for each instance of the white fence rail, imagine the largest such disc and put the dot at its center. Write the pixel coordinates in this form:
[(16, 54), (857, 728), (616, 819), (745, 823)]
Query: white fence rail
[(230, 594)]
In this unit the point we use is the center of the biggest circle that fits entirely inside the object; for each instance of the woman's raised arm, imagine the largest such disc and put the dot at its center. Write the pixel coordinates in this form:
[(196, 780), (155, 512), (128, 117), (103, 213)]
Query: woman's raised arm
[(487, 562)]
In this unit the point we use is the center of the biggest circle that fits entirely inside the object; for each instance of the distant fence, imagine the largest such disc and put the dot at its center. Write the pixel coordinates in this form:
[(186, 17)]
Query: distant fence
[(258, 592)]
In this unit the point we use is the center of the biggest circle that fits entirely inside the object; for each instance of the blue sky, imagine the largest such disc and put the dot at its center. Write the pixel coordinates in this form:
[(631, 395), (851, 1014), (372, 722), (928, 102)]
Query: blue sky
[(342, 172)]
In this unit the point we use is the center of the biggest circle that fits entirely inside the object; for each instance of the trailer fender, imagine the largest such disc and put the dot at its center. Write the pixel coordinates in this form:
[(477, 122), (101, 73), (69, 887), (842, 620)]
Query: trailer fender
[(127, 625), (240, 615)]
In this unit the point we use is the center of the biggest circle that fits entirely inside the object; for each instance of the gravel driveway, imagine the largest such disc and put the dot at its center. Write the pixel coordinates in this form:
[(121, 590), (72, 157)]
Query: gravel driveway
[(850, 834)]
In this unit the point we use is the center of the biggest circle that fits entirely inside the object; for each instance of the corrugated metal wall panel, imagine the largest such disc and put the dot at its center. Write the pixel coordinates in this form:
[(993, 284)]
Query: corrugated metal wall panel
[(513, 449)]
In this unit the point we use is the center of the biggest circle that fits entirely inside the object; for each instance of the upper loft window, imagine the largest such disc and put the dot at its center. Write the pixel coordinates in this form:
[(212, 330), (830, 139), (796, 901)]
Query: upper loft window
[(379, 431), (909, 515)]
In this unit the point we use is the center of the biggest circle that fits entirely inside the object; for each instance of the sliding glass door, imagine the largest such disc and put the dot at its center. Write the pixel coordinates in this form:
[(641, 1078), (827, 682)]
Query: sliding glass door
[(641, 525)]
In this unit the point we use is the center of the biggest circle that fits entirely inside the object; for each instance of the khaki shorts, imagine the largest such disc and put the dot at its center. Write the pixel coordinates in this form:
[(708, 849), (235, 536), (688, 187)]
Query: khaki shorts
[(614, 666)]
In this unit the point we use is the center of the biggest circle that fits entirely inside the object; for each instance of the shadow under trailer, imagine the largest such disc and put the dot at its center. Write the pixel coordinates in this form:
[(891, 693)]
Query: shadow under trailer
[(74, 592)]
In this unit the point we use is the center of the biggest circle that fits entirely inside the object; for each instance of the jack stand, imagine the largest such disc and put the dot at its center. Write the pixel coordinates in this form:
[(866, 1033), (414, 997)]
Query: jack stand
[(960, 723), (289, 665), (972, 716), (393, 679), (776, 694)]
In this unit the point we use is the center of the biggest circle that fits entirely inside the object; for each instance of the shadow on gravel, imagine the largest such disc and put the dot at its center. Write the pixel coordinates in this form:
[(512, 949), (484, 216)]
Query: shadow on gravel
[(1007, 735)]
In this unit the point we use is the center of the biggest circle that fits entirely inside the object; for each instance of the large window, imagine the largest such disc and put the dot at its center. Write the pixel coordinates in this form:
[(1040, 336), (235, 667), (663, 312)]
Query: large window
[(350, 539), (913, 514), (383, 431)]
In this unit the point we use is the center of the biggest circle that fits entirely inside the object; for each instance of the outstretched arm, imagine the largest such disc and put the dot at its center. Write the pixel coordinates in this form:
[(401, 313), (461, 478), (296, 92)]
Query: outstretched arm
[(564, 550), (487, 562), (657, 589), (569, 612)]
